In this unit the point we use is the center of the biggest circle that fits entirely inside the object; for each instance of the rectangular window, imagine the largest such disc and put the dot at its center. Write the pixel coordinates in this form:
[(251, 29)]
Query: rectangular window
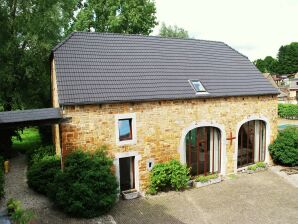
[(125, 129), (197, 86)]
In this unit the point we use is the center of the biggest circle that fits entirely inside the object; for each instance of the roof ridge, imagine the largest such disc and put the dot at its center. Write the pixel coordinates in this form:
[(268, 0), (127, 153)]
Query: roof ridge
[(236, 51), (63, 42), (146, 36)]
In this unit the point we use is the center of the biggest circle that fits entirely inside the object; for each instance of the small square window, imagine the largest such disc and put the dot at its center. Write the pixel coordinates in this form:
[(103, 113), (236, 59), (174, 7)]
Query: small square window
[(197, 85), (125, 129)]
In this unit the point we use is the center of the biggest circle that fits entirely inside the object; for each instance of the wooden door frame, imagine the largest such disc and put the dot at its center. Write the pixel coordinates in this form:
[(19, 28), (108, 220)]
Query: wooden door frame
[(267, 138), (193, 125)]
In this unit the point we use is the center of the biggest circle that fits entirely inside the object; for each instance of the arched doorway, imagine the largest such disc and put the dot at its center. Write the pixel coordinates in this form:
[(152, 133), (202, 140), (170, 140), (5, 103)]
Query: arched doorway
[(251, 143), (203, 150)]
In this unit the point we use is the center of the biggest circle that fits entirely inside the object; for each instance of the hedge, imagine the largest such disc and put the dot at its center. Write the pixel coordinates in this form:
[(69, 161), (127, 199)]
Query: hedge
[(42, 173), (87, 186), (171, 175), (288, 111), (284, 150)]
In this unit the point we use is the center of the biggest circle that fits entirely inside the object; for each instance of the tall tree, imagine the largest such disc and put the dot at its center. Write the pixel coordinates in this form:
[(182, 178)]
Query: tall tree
[(288, 59), (267, 65), (172, 31), (29, 30), (116, 16)]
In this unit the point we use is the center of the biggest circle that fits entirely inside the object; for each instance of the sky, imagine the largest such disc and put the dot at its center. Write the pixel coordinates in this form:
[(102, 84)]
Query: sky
[(256, 28)]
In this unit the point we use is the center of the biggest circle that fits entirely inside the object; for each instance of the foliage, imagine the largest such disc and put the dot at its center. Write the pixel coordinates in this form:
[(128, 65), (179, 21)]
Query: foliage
[(284, 150), (268, 65), (29, 140), (261, 165), (17, 213), (116, 16), (12, 205), (257, 165), (288, 59), (86, 187), (26, 42), (203, 178), (42, 173), (168, 176), (172, 31), (288, 111), (37, 154), (286, 62)]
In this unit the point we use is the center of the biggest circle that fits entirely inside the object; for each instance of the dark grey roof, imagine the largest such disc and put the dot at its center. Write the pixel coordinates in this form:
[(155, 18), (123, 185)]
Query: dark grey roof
[(102, 68), (28, 117)]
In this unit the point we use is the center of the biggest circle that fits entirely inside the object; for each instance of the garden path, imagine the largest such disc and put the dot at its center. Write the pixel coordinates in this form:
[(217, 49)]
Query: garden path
[(16, 187)]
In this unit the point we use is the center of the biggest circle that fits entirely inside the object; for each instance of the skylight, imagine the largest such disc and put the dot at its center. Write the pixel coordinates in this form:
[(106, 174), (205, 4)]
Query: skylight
[(197, 86)]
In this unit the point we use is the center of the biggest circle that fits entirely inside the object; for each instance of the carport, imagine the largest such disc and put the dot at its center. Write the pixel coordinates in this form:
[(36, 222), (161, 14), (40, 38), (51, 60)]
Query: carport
[(34, 117), (11, 120)]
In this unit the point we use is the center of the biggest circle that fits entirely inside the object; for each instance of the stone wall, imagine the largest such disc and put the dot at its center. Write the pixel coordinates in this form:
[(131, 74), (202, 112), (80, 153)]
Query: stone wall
[(160, 125)]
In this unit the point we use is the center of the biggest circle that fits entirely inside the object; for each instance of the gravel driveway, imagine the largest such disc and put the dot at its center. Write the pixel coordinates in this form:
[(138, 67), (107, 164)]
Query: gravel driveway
[(263, 198), (16, 187)]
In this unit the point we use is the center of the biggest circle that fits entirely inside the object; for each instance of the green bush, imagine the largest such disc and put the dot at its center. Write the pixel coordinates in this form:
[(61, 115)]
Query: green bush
[(36, 154), (288, 111), (17, 213), (257, 165), (203, 178), (171, 175), (87, 186), (284, 150), (42, 172), (261, 165)]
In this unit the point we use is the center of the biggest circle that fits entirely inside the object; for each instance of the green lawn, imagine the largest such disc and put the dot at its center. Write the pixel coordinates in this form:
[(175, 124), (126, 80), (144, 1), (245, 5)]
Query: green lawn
[(30, 139)]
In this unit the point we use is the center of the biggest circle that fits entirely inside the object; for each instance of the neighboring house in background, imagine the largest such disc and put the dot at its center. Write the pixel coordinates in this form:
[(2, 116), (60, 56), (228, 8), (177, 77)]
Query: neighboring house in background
[(152, 99), (275, 82), (288, 87), (293, 90)]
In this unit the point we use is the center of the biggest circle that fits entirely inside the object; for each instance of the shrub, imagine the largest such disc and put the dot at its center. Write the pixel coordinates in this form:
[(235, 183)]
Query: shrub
[(252, 167), (203, 179), (289, 111), (284, 150), (261, 165), (257, 165), (42, 172), (37, 154), (87, 186), (12, 205), (17, 213), (168, 176)]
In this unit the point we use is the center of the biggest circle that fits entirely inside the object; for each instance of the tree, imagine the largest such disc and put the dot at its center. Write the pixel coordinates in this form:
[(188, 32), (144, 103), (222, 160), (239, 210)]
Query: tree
[(267, 65), (288, 59), (29, 30), (172, 31), (116, 16)]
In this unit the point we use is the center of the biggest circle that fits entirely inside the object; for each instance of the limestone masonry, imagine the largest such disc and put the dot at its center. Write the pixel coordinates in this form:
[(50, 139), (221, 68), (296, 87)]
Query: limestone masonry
[(160, 126)]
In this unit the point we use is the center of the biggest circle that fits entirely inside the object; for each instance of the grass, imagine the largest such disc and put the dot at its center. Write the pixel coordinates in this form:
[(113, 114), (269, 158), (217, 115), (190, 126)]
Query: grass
[(203, 179), (30, 139)]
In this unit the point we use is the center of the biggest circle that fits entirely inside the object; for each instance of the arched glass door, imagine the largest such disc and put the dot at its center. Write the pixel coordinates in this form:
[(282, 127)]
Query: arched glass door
[(203, 150), (251, 143)]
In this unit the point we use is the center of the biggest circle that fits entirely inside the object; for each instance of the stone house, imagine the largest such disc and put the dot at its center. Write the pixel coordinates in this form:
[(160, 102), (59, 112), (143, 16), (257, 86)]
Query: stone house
[(151, 99)]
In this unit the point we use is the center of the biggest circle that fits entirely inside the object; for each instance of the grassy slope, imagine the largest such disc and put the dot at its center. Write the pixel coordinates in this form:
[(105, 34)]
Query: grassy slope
[(30, 139)]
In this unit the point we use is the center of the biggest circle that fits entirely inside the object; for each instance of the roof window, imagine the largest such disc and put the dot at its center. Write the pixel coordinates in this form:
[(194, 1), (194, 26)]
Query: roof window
[(197, 86)]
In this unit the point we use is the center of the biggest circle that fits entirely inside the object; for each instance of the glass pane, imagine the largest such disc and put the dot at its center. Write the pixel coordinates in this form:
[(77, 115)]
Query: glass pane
[(125, 129), (198, 86)]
